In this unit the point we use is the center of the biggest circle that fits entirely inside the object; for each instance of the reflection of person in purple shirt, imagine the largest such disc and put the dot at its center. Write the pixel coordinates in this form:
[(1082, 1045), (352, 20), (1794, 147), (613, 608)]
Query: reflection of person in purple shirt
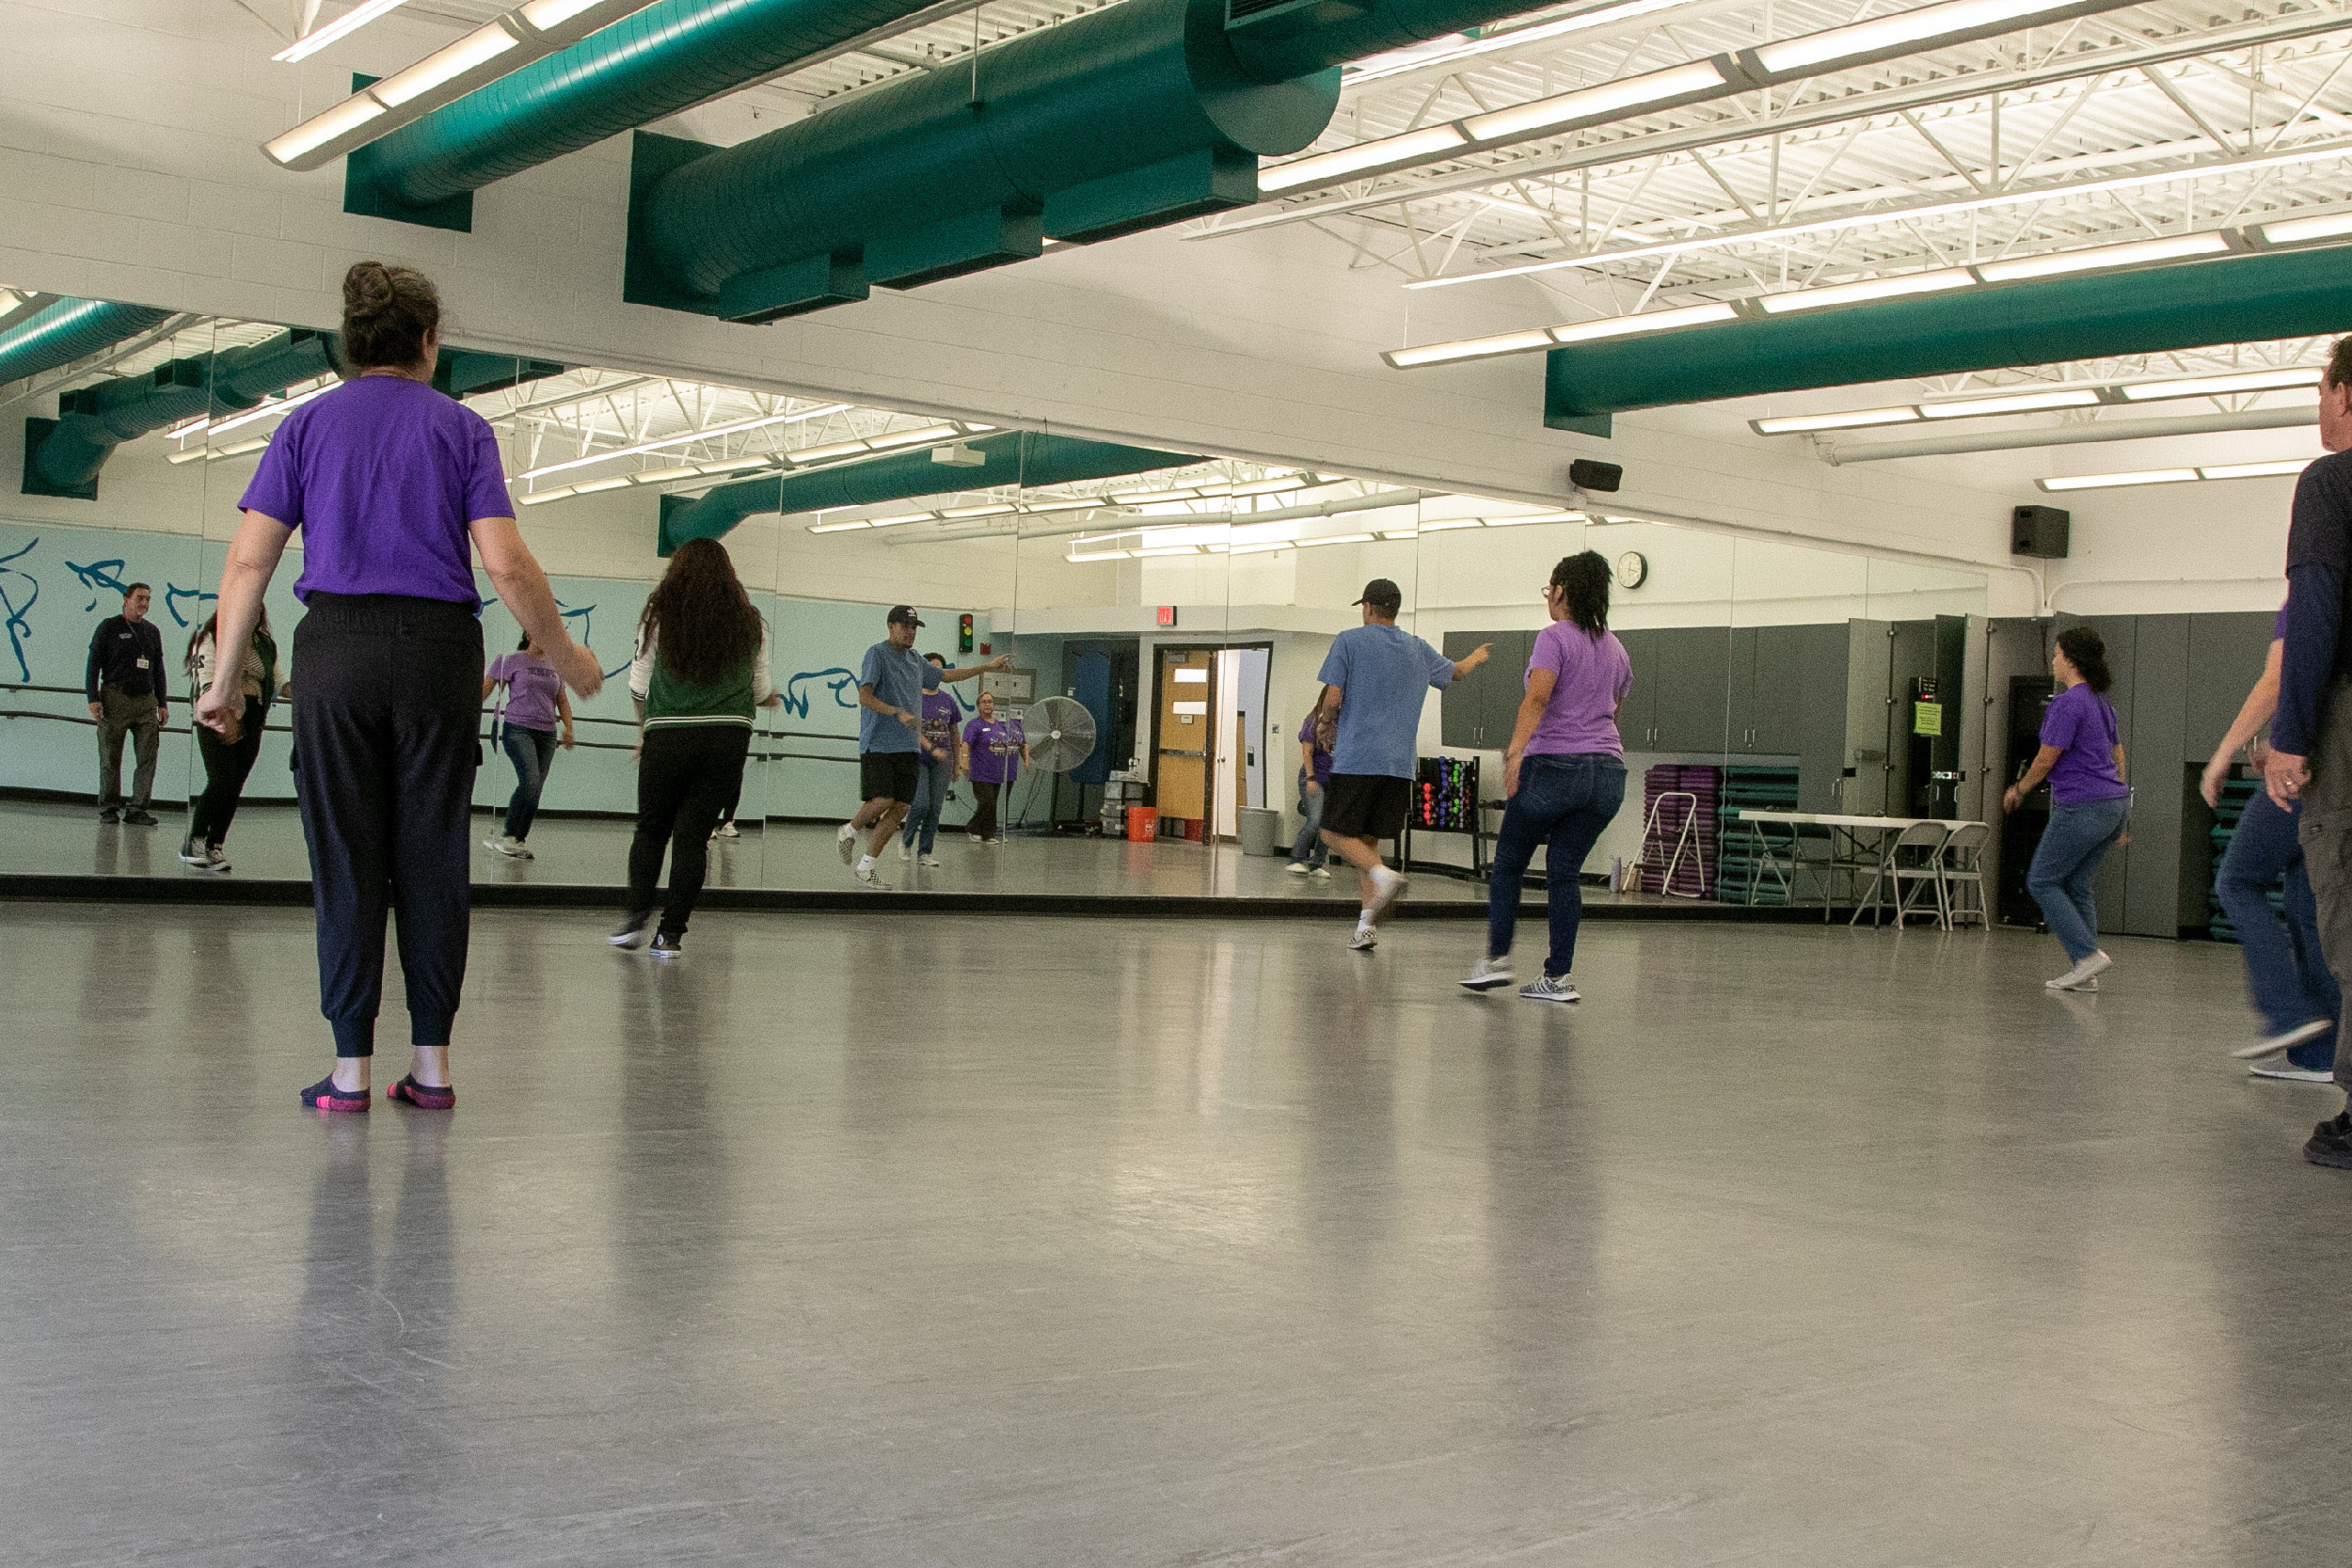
[(994, 751), (1316, 732)]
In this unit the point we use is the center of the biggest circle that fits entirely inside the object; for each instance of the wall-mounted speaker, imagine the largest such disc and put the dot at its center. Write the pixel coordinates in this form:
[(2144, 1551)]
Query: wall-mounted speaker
[(2039, 531), (1588, 473)]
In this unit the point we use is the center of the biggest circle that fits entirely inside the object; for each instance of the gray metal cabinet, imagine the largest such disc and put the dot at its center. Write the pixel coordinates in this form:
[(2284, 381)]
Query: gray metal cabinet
[(1694, 687), (1770, 670), (1637, 716), (1477, 711), (2225, 658)]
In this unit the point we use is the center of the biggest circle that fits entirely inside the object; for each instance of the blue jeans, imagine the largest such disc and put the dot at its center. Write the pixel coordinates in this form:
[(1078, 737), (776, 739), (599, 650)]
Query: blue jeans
[(930, 795), (2284, 972), (1563, 803), (531, 752), (2077, 840), (1309, 846)]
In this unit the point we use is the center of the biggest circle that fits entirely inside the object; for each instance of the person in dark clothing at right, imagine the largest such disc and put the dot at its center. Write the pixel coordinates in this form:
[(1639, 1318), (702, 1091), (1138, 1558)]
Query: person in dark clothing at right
[(2310, 734), (124, 681)]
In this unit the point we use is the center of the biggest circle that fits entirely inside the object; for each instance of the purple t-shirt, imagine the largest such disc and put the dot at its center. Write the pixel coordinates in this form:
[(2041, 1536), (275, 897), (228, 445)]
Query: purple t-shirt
[(2278, 626), (1322, 770), (940, 712), (532, 689), (1593, 674), (2081, 725), (989, 764), (382, 475)]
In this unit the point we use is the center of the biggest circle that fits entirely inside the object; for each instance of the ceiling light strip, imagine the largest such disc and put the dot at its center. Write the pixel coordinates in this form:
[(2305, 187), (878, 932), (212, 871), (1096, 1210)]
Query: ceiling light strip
[(342, 27), (688, 439)]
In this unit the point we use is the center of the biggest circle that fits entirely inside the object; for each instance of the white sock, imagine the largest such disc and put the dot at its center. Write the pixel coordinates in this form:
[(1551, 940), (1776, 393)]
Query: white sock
[(1363, 919), (866, 863)]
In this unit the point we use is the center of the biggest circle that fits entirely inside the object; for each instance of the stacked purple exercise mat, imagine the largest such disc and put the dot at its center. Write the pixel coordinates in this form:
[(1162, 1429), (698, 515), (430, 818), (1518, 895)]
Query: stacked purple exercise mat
[(1694, 872)]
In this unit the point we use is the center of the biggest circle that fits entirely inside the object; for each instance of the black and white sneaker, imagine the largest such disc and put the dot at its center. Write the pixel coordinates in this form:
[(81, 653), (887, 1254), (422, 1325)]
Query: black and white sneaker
[(2331, 1143), (631, 932), (191, 852), (666, 947), (1550, 988)]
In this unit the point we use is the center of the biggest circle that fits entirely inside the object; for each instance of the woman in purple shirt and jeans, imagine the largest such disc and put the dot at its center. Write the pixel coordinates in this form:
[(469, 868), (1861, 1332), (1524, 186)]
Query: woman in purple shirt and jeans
[(2082, 756), (1563, 774), (394, 486)]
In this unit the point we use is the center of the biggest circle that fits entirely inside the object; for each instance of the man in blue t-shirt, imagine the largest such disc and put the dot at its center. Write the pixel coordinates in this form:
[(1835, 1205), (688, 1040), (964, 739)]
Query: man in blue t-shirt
[(2310, 734), (890, 687), (1375, 680)]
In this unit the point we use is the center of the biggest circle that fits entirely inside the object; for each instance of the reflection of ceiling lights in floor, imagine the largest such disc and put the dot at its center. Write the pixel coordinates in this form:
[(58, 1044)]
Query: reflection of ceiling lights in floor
[(2109, 395), (2176, 476)]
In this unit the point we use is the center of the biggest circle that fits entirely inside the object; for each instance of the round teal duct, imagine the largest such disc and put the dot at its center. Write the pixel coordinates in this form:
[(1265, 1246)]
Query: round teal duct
[(1012, 457), (1121, 118), (2188, 304), (644, 67), (69, 330), (1276, 40), (93, 421)]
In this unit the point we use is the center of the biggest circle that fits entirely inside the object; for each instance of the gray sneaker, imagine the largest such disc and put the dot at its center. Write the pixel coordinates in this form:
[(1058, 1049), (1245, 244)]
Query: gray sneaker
[(2268, 1046), (2282, 1065), (1489, 973), (1550, 988), (870, 877), (1364, 941)]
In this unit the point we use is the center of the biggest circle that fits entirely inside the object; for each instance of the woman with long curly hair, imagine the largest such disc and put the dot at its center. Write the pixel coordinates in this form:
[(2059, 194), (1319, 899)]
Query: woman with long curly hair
[(701, 668)]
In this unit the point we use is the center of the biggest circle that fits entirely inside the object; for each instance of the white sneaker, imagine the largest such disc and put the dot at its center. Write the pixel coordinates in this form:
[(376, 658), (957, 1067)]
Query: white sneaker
[(870, 877), (1364, 941), (728, 830), (2279, 1067), (2074, 978), (1387, 887), (2271, 1046), (1321, 874), (512, 848), (1489, 974), (846, 840), (927, 860), (1298, 868), (1550, 988), (906, 851), (214, 859)]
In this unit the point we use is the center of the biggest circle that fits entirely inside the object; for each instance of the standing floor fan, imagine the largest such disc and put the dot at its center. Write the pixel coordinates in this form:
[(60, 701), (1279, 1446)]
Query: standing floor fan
[(1061, 735)]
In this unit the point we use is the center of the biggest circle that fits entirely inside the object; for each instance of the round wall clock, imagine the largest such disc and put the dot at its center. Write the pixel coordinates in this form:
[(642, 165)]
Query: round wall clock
[(1633, 569)]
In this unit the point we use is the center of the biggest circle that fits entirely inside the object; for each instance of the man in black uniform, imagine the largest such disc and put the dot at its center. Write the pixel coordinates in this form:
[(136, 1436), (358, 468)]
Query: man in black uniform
[(2310, 734), (124, 682)]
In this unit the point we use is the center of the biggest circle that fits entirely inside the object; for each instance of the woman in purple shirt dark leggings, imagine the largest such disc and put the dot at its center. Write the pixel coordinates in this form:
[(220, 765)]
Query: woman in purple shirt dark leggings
[(394, 486), (2082, 756)]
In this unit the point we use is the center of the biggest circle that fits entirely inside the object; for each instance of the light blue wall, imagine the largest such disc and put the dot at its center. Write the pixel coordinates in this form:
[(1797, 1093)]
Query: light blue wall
[(58, 583)]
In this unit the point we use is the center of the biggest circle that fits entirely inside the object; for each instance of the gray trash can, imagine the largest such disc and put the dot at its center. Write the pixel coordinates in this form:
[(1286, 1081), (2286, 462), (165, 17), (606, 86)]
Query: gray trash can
[(1261, 831)]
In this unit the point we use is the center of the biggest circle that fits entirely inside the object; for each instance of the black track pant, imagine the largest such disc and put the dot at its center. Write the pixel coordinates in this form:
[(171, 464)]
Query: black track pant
[(226, 766), (387, 692), (983, 823), (686, 776)]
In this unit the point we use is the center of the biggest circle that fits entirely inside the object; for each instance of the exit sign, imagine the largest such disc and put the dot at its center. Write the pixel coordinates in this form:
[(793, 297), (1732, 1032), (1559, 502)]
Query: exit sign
[(1167, 615)]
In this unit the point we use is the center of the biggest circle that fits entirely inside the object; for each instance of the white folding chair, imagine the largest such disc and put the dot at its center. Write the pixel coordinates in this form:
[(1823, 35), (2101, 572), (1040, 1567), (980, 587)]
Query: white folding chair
[(1962, 862), (1911, 859), (1656, 850)]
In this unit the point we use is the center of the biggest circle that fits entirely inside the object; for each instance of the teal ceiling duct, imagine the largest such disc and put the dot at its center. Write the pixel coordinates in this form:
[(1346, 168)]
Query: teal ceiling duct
[(68, 330), (63, 455), (642, 68), (1276, 40), (2187, 305), (1125, 119), (1012, 457)]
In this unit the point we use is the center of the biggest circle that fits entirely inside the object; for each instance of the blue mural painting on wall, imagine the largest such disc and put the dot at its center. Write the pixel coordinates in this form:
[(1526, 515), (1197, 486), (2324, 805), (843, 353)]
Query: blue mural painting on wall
[(838, 681), (98, 574), (174, 595), (20, 628)]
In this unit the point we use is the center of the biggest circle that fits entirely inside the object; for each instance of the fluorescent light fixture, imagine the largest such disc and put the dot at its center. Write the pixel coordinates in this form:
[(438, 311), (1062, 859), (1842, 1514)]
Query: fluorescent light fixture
[(2018, 403), (2130, 255), (734, 465), (267, 410), (1032, 508), (1869, 289), (2293, 231), (2254, 470), (1155, 551), (542, 497), (1446, 525), (476, 49), (839, 528), (591, 486), (1154, 498), (1604, 102), (1262, 548), (1514, 519), (663, 476), (1902, 30), (343, 26), (1324, 168), (999, 510), (1466, 348), (2114, 481), (1096, 555), (1400, 533), (547, 15), (1457, 46), (2213, 386), (1791, 424), (1333, 539), (901, 518), (1654, 321), (312, 133)]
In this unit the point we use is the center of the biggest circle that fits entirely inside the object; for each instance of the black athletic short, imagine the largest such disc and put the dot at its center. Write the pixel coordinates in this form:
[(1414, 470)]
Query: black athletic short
[(1366, 805), (892, 774)]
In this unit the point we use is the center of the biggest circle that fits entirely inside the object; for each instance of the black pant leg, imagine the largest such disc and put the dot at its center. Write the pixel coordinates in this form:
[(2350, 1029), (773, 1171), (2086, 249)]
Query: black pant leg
[(716, 778), (437, 713), (240, 760), (344, 785), (984, 808), (664, 769)]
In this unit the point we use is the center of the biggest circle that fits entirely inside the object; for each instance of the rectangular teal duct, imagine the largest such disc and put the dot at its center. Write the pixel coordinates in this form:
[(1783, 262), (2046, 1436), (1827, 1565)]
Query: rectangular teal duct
[(68, 330), (1125, 119), (1012, 457), (2188, 304)]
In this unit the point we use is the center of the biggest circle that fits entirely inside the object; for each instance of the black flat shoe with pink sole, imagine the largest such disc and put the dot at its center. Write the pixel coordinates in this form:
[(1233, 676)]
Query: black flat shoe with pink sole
[(325, 1096), (425, 1097)]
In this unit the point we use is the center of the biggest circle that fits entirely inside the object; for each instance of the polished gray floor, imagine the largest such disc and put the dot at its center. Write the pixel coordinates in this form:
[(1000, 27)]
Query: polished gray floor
[(923, 1240)]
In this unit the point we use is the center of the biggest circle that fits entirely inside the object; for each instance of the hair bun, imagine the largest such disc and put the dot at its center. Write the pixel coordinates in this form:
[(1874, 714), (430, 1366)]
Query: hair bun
[(367, 289)]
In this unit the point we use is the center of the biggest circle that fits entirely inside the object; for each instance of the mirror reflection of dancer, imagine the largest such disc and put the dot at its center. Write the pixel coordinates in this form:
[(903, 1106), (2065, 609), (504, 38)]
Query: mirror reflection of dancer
[(394, 487), (529, 733), (1563, 774), (701, 668), (1375, 680), (993, 751), (228, 754), (124, 678), (890, 687), (1316, 733), (938, 763)]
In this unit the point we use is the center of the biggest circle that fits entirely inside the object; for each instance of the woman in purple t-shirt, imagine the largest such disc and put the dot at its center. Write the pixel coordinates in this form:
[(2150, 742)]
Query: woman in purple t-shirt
[(2082, 756), (1564, 773), (535, 706)]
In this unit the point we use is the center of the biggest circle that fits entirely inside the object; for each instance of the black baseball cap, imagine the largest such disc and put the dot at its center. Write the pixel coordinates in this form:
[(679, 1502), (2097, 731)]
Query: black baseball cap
[(1383, 596), (902, 615)]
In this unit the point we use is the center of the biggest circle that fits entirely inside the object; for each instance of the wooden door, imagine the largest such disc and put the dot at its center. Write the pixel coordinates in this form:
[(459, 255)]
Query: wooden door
[(1184, 737)]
